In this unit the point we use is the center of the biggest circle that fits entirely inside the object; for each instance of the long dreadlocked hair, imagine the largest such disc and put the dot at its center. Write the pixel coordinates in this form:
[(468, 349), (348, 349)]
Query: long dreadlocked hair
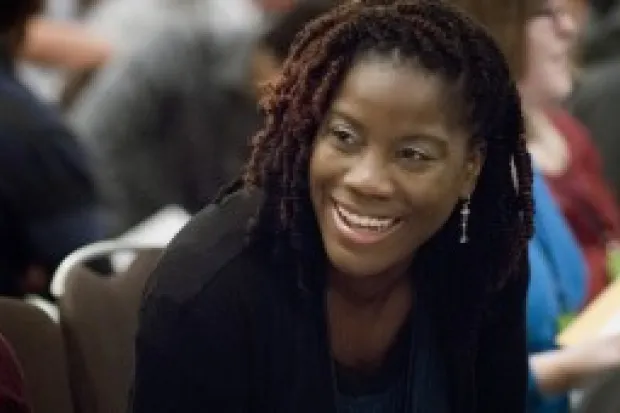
[(442, 40)]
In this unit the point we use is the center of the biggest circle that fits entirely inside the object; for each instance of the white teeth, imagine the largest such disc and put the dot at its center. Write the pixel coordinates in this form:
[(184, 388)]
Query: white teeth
[(365, 221)]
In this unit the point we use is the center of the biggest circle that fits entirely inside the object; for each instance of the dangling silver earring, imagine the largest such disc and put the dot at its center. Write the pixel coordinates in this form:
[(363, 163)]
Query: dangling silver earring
[(465, 211)]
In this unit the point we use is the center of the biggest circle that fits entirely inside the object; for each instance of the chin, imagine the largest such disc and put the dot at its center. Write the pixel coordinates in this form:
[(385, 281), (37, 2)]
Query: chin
[(354, 270), (356, 266)]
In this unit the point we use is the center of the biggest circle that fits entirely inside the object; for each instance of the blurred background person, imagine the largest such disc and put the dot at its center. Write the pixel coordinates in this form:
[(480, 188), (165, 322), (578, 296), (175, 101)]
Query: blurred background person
[(167, 119), (537, 37), (48, 202), (597, 95), (55, 43), (130, 27), (562, 148)]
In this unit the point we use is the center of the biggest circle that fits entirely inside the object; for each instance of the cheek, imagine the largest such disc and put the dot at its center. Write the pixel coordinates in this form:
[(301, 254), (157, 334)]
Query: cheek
[(538, 49), (434, 201), (434, 195), (323, 168)]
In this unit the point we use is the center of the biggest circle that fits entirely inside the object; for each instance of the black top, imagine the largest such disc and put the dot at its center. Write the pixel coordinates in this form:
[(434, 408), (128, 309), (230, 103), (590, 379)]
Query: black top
[(222, 330)]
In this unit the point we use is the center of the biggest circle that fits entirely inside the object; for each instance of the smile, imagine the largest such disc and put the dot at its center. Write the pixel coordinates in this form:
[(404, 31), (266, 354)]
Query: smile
[(363, 229)]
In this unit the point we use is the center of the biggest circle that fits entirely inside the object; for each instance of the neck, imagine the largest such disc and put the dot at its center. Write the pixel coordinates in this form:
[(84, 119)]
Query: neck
[(531, 100), (364, 316), (369, 292)]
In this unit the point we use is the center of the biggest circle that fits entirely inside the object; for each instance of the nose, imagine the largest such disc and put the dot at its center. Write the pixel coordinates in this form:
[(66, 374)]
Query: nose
[(566, 24), (369, 176)]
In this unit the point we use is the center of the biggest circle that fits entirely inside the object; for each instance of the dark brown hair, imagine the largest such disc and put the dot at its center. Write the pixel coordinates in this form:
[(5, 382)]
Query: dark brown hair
[(439, 38), (14, 15)]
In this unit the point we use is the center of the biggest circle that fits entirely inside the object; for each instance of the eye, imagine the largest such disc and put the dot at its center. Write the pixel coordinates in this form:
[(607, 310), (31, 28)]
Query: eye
[(343, 137), (412, 154)]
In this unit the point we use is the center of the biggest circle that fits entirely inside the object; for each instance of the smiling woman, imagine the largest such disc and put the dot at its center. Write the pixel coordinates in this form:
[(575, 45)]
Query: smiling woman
[(372, 258)]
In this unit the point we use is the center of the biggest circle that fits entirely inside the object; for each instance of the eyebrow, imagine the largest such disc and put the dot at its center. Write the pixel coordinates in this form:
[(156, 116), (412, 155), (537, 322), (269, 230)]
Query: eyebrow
[(360, 127), (350, 119)]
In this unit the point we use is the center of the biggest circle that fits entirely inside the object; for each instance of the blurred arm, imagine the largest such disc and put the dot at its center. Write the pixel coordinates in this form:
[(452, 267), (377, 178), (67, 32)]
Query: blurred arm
[(64, 44), (559, 371)]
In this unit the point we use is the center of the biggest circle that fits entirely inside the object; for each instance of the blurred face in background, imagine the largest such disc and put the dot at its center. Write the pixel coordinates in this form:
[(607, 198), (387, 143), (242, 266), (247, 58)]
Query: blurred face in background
[(550, 34)]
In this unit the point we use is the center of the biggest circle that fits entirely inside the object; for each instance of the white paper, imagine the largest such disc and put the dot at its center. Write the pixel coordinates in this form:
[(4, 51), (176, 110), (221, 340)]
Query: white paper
[(613, 326)]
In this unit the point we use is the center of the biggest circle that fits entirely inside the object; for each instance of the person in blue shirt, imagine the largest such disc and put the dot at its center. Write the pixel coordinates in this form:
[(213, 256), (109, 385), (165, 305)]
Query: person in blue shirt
[(557, 292), (557, 285)]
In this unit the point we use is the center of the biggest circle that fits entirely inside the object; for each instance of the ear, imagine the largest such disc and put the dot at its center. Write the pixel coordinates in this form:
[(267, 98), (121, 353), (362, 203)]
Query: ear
[(476, 154)]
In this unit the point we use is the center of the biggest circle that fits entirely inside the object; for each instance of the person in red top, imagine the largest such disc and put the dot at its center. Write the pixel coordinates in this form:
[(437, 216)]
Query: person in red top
[(561, 147), (587, 201), (12, 392)]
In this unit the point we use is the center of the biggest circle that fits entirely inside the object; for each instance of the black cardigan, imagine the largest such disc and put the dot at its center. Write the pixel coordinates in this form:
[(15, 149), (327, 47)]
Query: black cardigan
[(221, 332)]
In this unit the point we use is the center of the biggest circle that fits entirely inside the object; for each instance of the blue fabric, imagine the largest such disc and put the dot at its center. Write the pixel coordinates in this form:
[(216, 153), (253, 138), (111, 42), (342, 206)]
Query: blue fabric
[(48, 201), (557, 286), (53, 238)]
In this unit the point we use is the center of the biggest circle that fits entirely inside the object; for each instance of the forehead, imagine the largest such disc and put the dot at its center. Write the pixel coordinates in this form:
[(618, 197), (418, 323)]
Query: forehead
[(397, 91)]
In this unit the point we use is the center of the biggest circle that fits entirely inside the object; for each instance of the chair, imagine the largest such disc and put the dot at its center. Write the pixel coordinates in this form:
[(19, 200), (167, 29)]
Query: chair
[(99, 317), (38, 345), (602, 396)]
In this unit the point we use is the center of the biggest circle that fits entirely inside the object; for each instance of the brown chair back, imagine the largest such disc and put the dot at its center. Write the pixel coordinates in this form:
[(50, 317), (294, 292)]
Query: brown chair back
[(38, 345), (99, 317)]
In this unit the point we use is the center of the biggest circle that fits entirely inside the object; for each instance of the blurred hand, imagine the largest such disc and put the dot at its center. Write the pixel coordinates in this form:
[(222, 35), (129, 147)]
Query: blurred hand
[(558, 371)]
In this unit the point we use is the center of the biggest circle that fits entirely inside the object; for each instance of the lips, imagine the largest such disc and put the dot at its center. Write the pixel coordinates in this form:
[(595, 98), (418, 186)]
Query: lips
[(363, 229)]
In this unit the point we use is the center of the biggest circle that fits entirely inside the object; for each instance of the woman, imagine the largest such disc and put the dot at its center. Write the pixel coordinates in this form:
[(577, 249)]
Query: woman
[(561, 147), (384, 268)]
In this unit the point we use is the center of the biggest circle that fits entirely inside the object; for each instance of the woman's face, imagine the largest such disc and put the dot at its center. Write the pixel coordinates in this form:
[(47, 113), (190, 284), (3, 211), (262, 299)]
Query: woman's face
[(388, 166), (550, 34)]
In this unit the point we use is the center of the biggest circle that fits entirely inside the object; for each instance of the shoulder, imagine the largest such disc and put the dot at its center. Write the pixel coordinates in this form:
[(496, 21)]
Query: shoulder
[(200, 322), (573, 130), (210, 248), (29, 132), (205, 285), (23, 114)]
